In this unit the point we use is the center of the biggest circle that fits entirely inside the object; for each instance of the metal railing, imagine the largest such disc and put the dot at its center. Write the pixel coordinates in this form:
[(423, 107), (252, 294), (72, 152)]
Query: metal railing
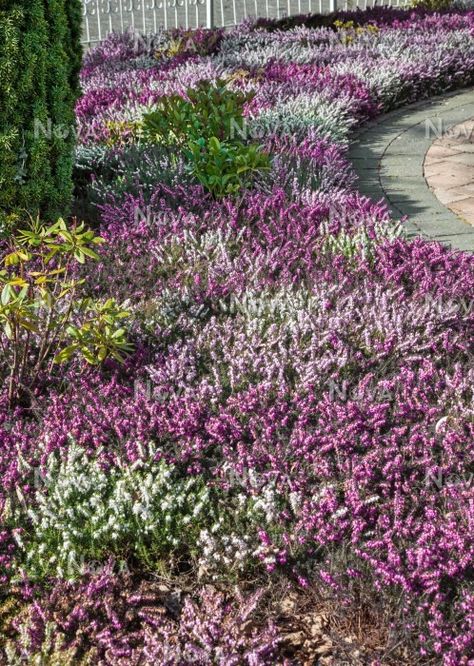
[(100, 17)]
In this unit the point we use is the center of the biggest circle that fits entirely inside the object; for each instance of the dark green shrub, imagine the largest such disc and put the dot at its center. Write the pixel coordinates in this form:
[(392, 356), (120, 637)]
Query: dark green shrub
[(73, 43), (224, 167), (208, 127), (209, 110), (40, 56), (432, 5)]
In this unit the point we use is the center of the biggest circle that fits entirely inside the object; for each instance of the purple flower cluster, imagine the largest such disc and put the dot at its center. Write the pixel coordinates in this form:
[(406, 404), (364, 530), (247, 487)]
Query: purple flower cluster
[(135, 622), (294, 353)]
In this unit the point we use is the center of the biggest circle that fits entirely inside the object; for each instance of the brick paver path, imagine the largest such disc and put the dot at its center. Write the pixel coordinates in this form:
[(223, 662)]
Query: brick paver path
[(449, 169), (389, 158)]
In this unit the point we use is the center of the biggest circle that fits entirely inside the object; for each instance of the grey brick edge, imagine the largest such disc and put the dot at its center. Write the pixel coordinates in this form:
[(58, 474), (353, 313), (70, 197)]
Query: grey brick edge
[(388, 155)]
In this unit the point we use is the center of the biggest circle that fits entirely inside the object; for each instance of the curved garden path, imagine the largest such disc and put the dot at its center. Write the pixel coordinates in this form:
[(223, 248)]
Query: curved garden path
[(421, 160)]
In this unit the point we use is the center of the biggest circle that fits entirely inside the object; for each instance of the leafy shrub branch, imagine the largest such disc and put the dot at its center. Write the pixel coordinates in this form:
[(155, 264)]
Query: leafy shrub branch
[(43, 318), (206, 126)]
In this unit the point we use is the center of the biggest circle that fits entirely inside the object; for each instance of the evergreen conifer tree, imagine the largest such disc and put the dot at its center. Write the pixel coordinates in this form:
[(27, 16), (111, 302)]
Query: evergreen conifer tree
[(40, 55)]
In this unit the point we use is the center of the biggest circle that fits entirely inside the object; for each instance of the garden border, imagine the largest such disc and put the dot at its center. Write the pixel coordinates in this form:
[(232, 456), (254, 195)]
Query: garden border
[(388, 156)]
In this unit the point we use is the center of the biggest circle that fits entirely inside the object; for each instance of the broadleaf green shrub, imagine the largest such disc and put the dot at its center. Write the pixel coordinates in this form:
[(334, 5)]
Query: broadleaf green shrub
[(208, 127), (43, 317), (224, 167), (40, 55), (208, 110)]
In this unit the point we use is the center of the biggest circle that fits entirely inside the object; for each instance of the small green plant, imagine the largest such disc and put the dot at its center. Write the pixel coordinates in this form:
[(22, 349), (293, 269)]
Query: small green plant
[(122, 132), (223, 167), (42, 318), (180, 42), (208, 110), (350, 30), (207, 127)]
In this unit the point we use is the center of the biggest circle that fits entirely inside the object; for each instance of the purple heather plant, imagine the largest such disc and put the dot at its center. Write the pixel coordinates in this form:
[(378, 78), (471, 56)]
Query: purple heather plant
[(295, 355), (112, 618)]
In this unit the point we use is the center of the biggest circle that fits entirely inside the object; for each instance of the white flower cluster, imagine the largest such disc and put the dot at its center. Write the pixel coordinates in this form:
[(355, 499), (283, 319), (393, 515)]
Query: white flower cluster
[(255, 49), (231, 552), (84, 512), (281, 305), (296, 115), (234, 550), (359, 243)]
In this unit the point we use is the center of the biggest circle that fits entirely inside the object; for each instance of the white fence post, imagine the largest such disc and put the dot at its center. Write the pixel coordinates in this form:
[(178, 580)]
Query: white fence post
[(210, 13), (332, 5)]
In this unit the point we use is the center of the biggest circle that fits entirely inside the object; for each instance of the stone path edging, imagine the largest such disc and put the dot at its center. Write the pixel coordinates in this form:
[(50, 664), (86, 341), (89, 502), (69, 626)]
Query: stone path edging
[(449, 169), (388, 156)]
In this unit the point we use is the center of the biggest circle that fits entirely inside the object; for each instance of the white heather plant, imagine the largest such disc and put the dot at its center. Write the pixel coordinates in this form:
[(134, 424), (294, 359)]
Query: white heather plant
[(231, 544), (298, 114), (260, 47), (84, 513), (384, 83), (280, 337), (359, 243), (53, 650)]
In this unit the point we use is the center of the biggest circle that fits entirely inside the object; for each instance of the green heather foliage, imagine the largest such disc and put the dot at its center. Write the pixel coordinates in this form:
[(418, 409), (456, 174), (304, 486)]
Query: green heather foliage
[(40, 56)]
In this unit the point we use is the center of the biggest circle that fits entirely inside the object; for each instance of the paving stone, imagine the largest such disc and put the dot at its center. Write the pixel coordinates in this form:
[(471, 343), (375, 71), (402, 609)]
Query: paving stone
[(440, 167), (438, 225), (406, 150), (433, 138), (450, 196), (464, 208), (452, 178), (397, 160), (362, 164), (468, 148), (465, 243), (403, 193), (454, 183), (376, 194), (439, 152), (392, 168), (421, 209), (462, 158), (402, 180), (451, 141), (361, 152)]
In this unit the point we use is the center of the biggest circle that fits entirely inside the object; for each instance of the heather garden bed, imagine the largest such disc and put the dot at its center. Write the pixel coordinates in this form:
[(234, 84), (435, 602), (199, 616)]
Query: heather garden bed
[(278, 467)]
